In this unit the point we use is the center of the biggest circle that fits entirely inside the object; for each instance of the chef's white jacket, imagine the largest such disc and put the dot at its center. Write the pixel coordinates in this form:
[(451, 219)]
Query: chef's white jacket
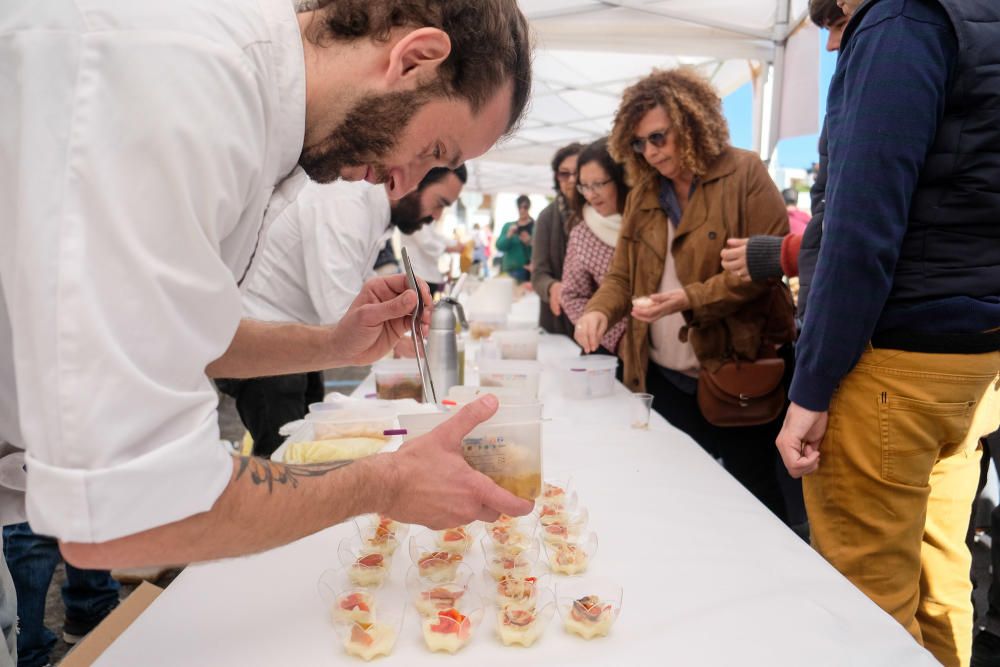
[(140, 143), (425, 247), (318, 254)]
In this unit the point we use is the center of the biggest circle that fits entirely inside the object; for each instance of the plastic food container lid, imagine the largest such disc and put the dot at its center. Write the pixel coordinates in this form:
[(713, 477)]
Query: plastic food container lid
[(591, 362), (398, 366)]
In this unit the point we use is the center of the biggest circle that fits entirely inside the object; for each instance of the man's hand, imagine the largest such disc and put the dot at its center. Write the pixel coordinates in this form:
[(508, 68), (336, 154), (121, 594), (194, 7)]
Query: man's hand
[(555, 298), (800, 439), (663, 304), (590, 329), (378, 318), (525, 237), (734, 258), (404, 348), (435, 487)]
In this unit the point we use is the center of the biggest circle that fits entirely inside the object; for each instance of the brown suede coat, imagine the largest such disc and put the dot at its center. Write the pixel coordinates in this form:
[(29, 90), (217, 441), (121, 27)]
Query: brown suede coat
[(735, 199)]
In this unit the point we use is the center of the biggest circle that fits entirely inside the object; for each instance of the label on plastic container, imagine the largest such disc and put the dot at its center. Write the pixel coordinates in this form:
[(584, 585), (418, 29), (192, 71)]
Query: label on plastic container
[(505, 463), (487, 455)]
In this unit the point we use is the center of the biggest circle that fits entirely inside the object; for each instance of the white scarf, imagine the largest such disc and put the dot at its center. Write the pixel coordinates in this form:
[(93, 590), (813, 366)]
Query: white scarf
[(605, 228)]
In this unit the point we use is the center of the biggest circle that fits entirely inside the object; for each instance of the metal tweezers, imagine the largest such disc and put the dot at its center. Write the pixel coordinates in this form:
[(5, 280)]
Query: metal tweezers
[(418, 337)]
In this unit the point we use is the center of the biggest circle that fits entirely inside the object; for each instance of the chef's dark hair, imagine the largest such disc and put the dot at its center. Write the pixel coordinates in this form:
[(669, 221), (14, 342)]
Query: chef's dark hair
[(438, 173), (490, 41)]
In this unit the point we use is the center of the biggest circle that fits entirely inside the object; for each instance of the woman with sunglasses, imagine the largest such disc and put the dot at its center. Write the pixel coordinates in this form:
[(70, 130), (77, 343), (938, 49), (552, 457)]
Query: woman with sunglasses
[(691, 192), (598, 201)]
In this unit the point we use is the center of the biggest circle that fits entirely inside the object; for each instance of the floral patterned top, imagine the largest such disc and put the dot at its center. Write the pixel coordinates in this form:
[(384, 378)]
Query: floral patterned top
[(587, 260)]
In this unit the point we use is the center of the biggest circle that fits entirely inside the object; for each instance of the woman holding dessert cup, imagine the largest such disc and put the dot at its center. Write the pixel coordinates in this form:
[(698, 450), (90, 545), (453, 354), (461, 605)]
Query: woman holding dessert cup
[(691, 192)]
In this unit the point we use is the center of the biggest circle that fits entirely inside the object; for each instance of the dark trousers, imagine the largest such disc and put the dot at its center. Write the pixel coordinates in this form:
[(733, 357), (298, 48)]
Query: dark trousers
[(267, 404), (748, 452), (991, 450), (89, 595)]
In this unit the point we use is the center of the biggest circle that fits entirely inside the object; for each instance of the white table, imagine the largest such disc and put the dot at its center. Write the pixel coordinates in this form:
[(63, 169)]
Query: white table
[(710, 576)]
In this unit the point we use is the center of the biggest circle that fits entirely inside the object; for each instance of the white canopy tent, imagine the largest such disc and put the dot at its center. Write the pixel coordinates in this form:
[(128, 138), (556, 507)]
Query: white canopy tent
[(589, 51)]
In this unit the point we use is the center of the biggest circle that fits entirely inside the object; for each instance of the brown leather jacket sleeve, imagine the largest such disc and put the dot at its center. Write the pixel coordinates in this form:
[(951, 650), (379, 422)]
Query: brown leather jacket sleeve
[(763, 212)]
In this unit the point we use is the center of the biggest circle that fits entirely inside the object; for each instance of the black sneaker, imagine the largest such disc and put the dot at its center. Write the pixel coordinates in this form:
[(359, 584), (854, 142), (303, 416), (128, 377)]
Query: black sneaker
[(985, 650)]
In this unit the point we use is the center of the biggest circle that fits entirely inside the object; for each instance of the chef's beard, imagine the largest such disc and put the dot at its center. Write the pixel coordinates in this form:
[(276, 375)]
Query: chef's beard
[(367, 136), (405, 214)]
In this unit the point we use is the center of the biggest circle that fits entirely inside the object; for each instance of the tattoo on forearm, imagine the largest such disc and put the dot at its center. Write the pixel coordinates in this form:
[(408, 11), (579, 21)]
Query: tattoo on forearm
[(262, 471)]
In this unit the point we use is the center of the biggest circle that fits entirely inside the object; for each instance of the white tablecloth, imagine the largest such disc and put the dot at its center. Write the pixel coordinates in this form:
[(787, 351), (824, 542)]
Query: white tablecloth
[(710, 577)]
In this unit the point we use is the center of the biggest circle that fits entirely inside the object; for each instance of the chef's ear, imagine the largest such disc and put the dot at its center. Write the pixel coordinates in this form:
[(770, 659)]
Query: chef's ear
[(414, 59)]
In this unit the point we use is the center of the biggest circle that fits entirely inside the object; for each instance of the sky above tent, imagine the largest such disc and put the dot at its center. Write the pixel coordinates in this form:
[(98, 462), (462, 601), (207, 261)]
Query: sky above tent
[(795, 152)]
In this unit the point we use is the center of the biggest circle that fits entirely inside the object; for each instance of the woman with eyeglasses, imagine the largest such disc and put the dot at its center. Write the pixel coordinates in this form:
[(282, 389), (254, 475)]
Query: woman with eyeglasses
[(548, 255), (598, 201), (691, 192)]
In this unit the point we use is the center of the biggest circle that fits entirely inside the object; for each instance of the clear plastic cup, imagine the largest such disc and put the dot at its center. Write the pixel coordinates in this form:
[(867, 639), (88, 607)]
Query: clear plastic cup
[(429, 596), (520, 624), (571, 557), (589, 606), (434, 564), (639, 406), (452, 630)]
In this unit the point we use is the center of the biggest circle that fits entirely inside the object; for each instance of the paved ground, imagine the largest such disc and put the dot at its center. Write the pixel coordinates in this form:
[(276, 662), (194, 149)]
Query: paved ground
[(344, 381)]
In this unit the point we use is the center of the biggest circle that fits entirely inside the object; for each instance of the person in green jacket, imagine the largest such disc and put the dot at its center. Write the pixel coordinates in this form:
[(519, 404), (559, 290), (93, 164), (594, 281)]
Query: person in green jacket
[(515, 242)]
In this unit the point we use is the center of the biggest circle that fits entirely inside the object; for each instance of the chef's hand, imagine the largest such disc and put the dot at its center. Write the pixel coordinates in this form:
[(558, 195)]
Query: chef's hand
[(378, 318), (590, 329), (800, 439), (663, 304), (734, 258), (432, 485), (404, 348), (555, 298)]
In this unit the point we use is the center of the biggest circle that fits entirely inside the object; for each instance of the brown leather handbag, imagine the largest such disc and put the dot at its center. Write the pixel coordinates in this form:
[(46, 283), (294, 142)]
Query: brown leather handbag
[(749, 393), (742, 393)]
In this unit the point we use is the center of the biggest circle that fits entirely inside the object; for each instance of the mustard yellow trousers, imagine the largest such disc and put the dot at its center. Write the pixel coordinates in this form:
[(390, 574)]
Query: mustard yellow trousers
[(890, 503)]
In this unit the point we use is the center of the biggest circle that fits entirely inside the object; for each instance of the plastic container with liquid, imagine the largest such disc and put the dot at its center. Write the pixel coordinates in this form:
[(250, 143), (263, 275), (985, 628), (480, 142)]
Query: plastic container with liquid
[(398, 378), (509, 453), (517, 343)]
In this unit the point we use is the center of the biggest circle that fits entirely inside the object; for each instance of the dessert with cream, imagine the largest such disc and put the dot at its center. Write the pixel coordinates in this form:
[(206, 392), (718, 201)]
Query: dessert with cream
[(439, 598), (455, 540), (517, 592), (567, 558), (438, 566), (588, 617), (383, 538), (354, 607), (369, 570), (502, 565), (370, 640), (552, 493), (449, 631), (518, 626)]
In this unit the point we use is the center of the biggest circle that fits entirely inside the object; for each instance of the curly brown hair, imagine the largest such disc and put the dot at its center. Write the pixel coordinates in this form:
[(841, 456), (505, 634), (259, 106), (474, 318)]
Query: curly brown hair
[(491, 42), (695, 113)]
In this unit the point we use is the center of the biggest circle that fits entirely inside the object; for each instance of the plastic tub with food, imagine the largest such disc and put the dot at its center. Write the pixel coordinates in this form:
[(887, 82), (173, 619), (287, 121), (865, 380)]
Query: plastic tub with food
[(433, 563), (517, 343), (398, 378), (519, 375), (592, 376), (364, 566)]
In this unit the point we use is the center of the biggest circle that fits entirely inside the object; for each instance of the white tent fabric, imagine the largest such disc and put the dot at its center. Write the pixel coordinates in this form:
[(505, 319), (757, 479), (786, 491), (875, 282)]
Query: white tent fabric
[(589, 51)]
